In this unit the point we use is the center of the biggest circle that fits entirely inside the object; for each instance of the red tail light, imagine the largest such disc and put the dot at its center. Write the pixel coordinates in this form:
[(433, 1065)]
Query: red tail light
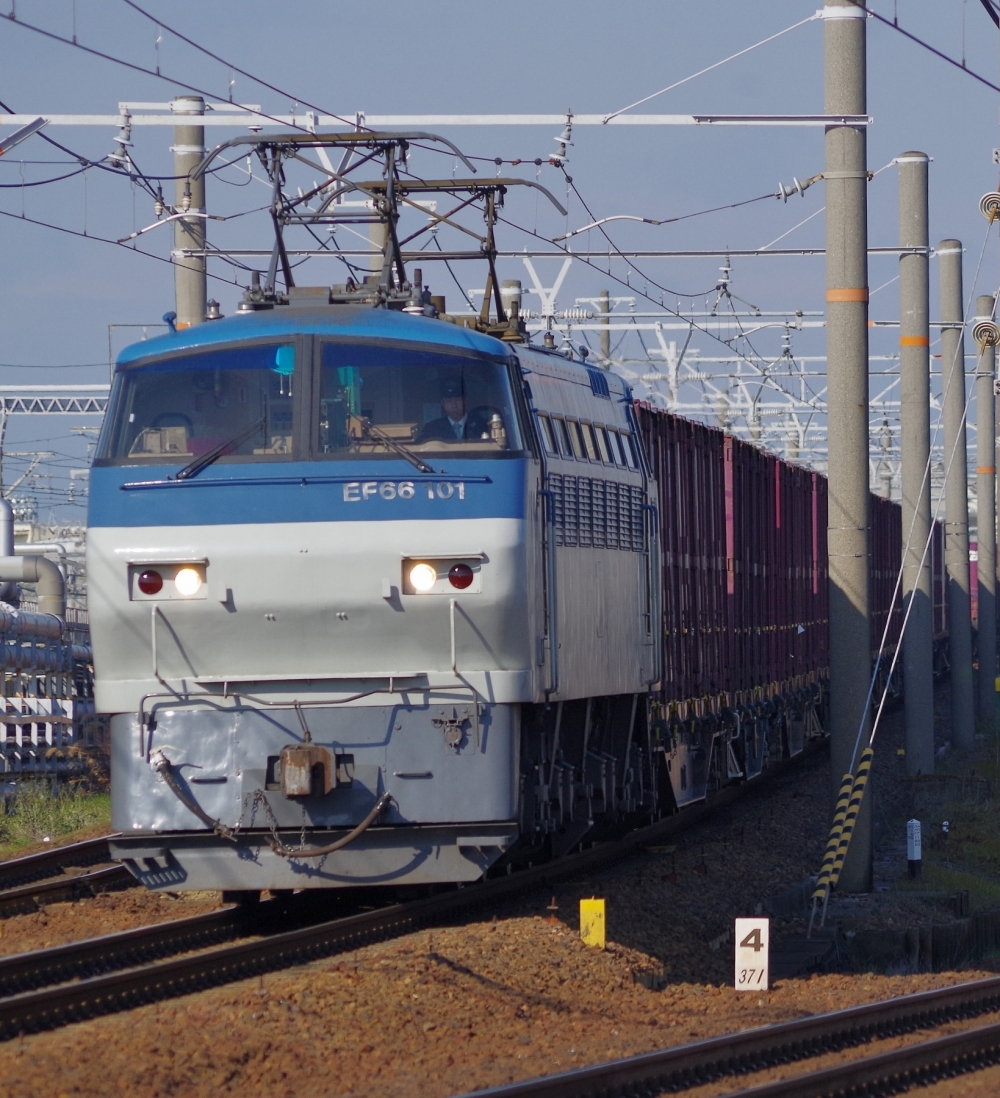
[(460, 576), (150, 582)]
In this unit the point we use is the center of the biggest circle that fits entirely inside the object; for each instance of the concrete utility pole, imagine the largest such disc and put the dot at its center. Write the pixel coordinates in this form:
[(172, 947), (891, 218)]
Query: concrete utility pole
[(847, 401), (914, 413), (190, 282), (986, 483), (956, 496), (604, 306)]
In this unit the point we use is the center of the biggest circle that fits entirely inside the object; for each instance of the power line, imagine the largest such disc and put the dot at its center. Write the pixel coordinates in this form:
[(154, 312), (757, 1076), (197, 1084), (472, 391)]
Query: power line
[(43, 182), (893, 23), (661, 221), (104, 240), (12, 18), (717, 64), (639, 293), (235, 68), (991, 11), (665, 289)]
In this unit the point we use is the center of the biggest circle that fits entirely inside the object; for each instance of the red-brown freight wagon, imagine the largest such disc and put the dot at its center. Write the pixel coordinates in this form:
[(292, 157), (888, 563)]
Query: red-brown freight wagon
[(745, 600)]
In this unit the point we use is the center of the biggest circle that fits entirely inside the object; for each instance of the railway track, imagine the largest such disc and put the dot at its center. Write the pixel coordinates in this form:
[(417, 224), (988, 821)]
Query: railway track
[(49, 863), (47, 876), (67, 887), (679, 1068), (48, 988)]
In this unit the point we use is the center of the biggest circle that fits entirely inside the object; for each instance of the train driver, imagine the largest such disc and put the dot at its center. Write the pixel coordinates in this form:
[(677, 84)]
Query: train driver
[(457, 422)]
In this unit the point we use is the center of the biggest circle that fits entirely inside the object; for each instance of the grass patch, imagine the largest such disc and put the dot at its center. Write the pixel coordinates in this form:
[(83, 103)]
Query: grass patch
[(964, 791), (984, 893), (36, 813)]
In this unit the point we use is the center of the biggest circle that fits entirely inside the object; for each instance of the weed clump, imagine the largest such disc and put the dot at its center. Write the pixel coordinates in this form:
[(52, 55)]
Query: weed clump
[(38, 810)]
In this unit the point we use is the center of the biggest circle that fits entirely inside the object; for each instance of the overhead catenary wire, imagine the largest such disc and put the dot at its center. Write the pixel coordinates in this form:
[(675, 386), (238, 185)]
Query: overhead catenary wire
[(926, 45), (454, 277), (760, 365), (42, 182), (102, 240), (665, 220), (235, 68), (634, 289), (710, 68), (176, 81), (77, 159), (991, 11), (86, 163), (159, 74), (617, 250)]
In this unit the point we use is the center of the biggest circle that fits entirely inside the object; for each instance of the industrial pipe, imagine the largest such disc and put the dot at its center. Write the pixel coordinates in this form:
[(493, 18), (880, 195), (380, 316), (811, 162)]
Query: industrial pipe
[(6, 541), (32, 548), (43, 572)]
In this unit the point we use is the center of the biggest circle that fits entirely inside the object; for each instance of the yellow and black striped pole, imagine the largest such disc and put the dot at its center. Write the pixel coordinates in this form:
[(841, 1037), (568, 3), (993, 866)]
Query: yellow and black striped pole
[(853, 808), (852, 792), (832, 843)]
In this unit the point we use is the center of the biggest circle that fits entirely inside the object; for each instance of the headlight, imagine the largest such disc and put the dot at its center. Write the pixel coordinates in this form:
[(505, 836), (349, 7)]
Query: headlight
[(187, 581), (422, 577)]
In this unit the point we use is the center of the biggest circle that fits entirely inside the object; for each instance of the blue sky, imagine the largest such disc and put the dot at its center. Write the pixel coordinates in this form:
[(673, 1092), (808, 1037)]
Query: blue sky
[(61, 293)]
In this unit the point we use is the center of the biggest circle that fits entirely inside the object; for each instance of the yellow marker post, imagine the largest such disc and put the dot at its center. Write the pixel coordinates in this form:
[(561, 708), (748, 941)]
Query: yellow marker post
[(592, 923)]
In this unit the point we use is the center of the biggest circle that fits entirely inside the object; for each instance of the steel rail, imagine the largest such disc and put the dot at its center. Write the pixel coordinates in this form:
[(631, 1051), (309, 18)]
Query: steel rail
[(691, 1065), (68, 886), (52, 1006), (22, 972), (895, 1071), (47, 863)]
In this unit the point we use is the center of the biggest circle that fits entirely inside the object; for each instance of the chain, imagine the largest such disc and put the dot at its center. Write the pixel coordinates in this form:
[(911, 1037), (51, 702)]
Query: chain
[(253, 800)]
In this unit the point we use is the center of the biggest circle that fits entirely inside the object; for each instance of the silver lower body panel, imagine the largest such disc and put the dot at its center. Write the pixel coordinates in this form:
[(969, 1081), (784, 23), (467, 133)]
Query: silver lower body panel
[(381, 856)]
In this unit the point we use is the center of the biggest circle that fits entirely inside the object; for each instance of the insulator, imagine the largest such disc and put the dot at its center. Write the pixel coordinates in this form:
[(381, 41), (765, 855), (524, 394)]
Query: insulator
[(989, 205), (986, 333)]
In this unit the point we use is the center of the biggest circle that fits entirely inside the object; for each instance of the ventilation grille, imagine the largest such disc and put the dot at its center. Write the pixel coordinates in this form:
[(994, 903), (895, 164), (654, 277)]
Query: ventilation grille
[(597, 514), (598, 383)]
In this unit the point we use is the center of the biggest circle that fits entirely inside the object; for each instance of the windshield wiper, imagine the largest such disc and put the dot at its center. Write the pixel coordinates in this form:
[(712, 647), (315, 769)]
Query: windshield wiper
[(204, 460), (399, 448)]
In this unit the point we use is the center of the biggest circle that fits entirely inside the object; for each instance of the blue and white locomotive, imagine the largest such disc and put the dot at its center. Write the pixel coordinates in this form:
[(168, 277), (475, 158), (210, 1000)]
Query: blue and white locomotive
[(373, 599)]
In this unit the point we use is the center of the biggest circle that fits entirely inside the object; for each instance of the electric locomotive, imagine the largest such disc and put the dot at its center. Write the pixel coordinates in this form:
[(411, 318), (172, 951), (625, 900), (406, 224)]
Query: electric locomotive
[(375, 593), (374, 601)]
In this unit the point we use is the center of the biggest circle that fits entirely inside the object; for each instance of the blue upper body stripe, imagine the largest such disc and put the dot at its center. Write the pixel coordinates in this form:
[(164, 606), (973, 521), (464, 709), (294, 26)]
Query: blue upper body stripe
[(273, 492)]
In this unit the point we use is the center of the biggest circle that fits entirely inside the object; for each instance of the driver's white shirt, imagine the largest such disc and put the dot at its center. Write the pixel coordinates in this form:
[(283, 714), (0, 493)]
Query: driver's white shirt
[(458, 425)]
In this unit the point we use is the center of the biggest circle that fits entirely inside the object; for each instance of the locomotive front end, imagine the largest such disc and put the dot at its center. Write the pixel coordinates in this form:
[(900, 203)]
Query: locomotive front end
[(313, 597)]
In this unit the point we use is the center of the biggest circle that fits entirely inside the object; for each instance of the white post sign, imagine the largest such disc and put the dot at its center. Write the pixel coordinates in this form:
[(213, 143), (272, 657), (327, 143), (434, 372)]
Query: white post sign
[(913, 848), (752, 947)]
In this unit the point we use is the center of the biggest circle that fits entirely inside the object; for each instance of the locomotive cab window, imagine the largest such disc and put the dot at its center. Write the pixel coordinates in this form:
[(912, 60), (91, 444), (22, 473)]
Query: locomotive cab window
[(236, 403), (548, 438), (576, 437), (604, 445), (375, 399), (562, 437)]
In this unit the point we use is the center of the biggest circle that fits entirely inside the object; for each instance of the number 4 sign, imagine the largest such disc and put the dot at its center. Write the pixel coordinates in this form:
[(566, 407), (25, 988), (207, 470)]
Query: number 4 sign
[(752, 946)]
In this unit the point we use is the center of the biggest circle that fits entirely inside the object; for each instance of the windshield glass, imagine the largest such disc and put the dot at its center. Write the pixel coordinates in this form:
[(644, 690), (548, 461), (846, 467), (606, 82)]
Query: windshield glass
[(182, 409), (424, 401)]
